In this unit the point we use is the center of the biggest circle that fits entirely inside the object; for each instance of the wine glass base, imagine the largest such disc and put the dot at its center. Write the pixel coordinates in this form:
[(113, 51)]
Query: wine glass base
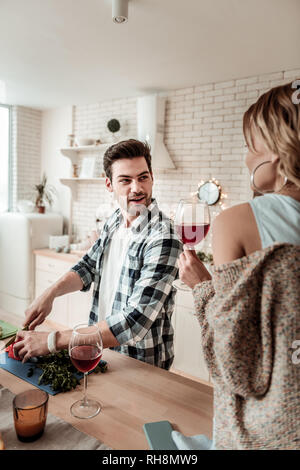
[(181, 286), (84, 410)]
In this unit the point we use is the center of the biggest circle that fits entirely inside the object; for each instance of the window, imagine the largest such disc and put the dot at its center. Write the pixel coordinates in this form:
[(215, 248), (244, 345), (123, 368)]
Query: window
[(4, 157)]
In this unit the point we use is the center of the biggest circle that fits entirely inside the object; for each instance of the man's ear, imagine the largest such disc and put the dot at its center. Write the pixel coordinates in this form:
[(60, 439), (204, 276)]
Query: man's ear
[(108, 185)]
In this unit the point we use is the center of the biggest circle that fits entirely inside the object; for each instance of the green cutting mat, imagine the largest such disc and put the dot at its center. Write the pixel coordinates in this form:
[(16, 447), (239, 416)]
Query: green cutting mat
[(7, 329)]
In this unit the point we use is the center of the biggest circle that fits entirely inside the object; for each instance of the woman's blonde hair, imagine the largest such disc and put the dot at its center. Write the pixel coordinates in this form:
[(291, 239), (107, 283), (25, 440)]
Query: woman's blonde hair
[(276, 118)]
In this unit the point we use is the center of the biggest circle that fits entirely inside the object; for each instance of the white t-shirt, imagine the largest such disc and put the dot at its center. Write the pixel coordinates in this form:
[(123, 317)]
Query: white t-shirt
[(114, 257)]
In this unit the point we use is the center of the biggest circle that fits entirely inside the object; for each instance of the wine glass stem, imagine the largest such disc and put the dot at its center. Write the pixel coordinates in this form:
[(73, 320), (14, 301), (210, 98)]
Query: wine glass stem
[(85, 387)]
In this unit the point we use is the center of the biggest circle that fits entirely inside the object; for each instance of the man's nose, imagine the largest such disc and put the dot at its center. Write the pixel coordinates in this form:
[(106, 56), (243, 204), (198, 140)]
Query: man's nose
[(136, 186)]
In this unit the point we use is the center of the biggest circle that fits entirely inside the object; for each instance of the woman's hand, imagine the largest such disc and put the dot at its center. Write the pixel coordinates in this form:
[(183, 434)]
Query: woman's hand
[(30, 344), (191, 269)]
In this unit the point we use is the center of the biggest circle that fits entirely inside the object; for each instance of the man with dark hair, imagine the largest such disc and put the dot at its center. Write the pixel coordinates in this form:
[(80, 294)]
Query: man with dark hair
[(133, 265), (126, 149)]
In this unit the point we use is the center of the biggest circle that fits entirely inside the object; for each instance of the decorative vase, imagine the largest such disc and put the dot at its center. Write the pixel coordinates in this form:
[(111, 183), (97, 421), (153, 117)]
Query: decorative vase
[(114, 138), (41, 209)]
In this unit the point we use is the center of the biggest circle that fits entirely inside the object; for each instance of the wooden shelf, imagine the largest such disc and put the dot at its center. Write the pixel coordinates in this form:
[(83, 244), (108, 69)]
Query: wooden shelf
[(72, 152), (72, 183), (77, 148), (66, 180)]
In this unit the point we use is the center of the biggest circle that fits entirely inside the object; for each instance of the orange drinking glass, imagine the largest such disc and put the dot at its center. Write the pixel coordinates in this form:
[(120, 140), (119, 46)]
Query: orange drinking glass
[(30, 414)]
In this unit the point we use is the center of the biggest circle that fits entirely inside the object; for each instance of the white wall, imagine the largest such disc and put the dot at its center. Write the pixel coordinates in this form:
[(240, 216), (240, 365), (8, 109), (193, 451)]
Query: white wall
[(56, 125), (203, 133)]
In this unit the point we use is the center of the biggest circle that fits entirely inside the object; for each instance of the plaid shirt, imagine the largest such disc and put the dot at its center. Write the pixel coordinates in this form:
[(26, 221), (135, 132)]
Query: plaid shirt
[(143, 305)]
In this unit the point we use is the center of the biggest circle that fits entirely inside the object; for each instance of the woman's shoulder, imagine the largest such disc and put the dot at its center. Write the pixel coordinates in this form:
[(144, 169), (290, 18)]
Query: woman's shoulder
[(280, 260), (234, 233), (233, 215)]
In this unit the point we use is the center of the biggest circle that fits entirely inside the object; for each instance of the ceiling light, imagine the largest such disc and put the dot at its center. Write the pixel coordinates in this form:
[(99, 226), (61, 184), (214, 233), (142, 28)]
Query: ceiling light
[(120, 11)]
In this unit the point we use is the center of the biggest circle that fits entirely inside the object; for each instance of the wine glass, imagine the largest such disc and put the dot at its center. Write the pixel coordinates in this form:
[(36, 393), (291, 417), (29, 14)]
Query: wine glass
[(85, 351), (192, 222)]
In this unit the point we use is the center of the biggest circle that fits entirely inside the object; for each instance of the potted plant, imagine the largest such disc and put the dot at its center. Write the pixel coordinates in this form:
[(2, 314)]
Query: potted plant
[(45, 195)]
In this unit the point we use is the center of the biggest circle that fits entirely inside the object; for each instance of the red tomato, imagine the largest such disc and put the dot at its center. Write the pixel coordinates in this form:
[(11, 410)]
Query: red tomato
[(10, 350)]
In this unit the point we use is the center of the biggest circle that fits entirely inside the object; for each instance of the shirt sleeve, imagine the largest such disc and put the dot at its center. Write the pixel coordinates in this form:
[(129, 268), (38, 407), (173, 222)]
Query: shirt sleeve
[(86, 266), (149, 294)]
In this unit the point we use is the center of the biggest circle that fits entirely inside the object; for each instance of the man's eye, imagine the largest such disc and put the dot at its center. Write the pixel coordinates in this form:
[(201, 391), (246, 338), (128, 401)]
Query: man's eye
[(125, 181), (144, 177)]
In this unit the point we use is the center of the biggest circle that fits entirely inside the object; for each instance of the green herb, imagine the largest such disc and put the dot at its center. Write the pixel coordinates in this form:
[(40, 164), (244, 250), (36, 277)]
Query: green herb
[(101, 367), (205, 257), (58, 371)]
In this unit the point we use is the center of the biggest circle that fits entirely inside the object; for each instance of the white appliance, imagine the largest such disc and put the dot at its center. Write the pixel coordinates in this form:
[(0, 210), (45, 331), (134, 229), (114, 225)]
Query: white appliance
[(20, 234), (150, 126)]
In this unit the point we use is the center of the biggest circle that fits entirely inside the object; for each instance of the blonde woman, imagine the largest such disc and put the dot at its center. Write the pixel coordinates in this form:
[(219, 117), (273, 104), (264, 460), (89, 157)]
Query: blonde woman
[(249, 310)]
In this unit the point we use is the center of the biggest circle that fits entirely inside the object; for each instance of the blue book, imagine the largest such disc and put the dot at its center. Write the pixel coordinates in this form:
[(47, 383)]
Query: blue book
[(159, 436)]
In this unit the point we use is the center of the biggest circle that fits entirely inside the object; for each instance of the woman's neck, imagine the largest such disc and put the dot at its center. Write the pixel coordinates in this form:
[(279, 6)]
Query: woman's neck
[(291, 191)]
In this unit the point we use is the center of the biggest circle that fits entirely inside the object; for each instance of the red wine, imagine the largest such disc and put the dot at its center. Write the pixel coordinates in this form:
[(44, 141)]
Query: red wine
[(192, 234), (86, 357)]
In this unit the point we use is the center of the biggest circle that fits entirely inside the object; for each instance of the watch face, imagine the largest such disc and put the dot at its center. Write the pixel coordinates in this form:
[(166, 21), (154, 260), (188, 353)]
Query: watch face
[(209, 192)]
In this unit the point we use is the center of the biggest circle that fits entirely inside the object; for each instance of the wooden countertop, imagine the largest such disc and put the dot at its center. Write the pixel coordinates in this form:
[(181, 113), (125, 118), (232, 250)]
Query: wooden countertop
[(132, 393), (62, 256)]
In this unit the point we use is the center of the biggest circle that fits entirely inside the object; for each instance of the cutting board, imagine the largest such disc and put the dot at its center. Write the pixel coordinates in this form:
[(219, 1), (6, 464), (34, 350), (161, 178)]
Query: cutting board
[(21, 370), (7, 329)]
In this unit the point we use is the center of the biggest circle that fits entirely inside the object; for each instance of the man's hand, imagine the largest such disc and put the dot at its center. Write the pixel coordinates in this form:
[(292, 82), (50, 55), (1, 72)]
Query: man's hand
[(38, 310), (30, 344), (191, 269)]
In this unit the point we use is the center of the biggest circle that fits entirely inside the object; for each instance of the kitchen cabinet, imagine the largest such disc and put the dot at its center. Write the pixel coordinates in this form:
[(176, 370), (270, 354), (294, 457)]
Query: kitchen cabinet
[(188, 352), (70, 309)]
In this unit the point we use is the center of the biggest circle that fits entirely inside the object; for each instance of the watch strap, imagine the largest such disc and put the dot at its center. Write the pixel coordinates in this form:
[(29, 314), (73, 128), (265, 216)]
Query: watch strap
[(51, 342)]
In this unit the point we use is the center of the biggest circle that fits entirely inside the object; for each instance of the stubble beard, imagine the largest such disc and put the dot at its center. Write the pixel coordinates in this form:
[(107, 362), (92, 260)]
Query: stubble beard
[(135, 209)]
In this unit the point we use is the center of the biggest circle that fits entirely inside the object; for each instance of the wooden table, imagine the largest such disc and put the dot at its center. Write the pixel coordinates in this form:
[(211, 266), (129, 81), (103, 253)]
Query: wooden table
[(132, 393)]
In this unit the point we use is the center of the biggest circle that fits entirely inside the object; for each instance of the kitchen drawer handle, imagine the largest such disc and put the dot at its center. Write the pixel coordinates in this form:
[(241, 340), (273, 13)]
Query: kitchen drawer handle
[(50, 265)]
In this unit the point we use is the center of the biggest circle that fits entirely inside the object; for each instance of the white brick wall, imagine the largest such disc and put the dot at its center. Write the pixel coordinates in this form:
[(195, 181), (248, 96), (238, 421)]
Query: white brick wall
[(26, 155), (203, 133)]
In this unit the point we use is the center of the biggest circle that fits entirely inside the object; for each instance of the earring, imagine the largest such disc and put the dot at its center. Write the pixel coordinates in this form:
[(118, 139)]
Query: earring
[(262, 191)]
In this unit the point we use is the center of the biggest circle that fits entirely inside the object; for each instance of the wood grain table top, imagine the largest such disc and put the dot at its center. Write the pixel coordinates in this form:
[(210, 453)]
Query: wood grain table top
[(132, 393)]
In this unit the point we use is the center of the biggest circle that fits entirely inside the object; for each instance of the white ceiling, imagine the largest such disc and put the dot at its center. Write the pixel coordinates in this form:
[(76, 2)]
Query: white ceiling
[(60, 52)]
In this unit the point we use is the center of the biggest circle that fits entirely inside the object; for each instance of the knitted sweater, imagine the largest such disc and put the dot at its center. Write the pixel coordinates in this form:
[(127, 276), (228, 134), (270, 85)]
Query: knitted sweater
[(250, 317)]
